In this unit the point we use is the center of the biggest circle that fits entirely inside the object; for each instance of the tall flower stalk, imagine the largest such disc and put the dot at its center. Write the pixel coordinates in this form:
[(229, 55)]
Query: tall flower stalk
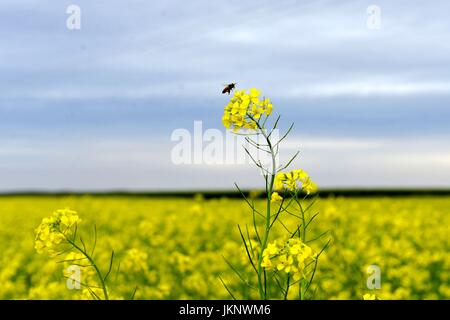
[(288, 261)]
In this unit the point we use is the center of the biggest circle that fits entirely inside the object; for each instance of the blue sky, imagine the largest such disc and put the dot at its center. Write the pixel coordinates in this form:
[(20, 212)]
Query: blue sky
[(94, 109)]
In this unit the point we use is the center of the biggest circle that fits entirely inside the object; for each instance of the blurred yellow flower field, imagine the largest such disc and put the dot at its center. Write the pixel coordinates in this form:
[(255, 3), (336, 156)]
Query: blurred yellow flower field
[(174, 248)]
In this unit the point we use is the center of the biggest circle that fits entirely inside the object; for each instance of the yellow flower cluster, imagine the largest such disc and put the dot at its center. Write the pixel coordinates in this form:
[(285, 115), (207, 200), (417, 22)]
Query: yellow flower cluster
[(292, 257), (53, 230), (369, 296), (275, 197), (245, 109), (291, 181), (135, 260)]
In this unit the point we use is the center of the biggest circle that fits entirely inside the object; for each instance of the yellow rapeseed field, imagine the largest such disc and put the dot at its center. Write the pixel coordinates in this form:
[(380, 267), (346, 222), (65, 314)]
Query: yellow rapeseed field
[(175, 248)]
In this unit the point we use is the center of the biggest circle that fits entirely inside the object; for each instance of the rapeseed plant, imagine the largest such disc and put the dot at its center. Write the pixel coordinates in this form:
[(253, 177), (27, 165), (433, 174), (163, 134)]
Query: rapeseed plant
[(57, 235), (286, 262)]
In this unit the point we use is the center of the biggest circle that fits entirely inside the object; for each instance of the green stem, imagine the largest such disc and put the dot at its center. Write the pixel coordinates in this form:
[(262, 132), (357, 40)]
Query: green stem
[(303, 224), (303, 236), (302, 216), (287, 287), (269, 188), (302, 295), (262, 281), (91, 260)]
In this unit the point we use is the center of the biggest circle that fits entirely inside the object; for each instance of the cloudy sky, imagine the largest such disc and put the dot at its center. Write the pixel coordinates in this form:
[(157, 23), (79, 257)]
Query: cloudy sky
[(95, 108)]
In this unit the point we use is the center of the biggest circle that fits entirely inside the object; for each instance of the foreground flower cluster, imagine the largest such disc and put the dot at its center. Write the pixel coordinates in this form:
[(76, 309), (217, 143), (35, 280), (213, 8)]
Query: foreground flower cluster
[(291, 256), (295, 180), (53, 230), (244, 109)]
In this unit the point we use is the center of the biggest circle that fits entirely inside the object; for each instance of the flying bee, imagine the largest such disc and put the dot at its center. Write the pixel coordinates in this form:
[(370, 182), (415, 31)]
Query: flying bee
[(229, 88)]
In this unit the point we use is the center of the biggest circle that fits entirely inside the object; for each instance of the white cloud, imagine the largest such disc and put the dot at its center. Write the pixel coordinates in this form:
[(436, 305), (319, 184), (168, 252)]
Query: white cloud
[(331, 143), (144, 164), (192, 89), (368, 88)]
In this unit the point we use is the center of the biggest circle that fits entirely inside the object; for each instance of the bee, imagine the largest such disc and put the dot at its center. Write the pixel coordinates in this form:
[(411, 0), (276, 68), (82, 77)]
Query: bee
[(229, 88)]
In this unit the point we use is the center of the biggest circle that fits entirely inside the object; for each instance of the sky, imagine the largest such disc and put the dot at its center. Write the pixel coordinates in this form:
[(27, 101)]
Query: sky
[(95, 108)]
